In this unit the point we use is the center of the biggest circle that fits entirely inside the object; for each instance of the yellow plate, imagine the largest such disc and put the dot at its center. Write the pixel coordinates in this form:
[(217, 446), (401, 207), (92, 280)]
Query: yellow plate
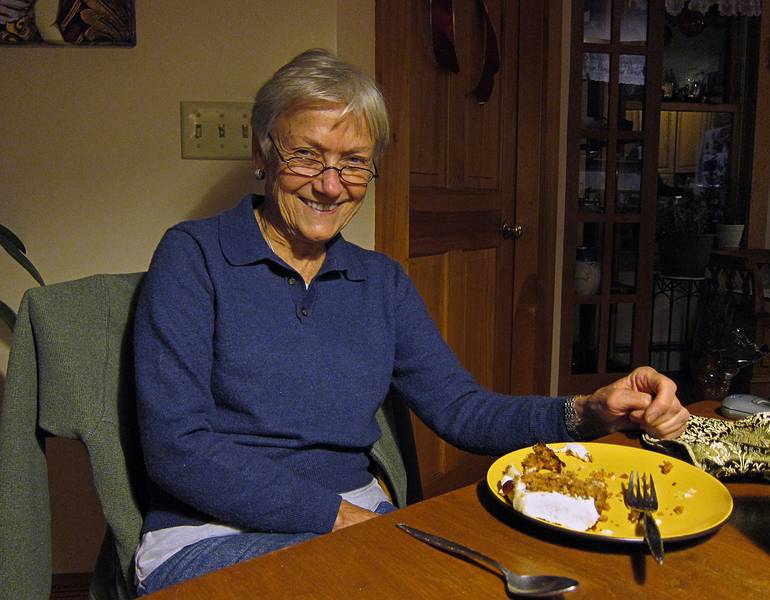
[(705, 503)]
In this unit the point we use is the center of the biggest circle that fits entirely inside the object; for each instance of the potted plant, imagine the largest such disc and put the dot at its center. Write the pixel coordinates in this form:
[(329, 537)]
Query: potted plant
[(684, 234), (15, 247)]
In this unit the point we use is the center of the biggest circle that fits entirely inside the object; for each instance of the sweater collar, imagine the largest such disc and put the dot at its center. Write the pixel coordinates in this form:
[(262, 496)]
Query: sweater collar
[(242, 243)]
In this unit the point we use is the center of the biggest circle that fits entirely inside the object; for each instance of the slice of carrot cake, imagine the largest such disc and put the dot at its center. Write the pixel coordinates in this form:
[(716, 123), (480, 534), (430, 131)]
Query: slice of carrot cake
[(547, 490)]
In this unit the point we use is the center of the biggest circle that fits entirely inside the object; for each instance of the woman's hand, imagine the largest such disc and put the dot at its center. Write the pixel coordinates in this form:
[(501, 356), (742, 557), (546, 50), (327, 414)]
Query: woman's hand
[(642, 399), (350, 514)]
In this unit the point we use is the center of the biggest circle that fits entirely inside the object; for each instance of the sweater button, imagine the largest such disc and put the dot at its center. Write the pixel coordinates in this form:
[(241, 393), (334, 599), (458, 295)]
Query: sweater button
[(304, 312), (292, 281)]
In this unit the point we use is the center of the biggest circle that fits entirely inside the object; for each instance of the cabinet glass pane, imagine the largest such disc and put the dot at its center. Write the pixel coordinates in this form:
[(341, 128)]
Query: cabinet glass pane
[(588, 259), (631, 92), (625, 258), (593, 176), (597, 18), (621, 337), (596, 93), (694, 164), (696, 58), (674, 316), (629, 179), (633, 21), (585, 339)]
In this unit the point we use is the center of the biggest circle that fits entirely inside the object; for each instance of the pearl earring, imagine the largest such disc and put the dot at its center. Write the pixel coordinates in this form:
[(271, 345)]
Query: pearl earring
[(259, 174)]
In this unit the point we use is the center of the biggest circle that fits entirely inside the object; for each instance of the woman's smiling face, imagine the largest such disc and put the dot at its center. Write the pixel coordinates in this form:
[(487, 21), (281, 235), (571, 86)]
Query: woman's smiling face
[(314, 209)]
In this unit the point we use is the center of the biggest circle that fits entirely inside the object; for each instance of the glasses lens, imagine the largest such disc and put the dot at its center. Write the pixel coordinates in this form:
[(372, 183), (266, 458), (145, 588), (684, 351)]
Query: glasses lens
[(305, 166), (356, 175)]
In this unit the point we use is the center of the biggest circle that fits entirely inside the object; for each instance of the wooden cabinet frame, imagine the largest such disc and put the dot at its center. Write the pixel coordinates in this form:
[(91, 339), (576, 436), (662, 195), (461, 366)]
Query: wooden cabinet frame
[(748, 79), (605, 299)]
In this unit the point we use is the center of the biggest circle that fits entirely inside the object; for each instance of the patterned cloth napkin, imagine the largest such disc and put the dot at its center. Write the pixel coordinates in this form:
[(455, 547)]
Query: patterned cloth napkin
[(725, 449)]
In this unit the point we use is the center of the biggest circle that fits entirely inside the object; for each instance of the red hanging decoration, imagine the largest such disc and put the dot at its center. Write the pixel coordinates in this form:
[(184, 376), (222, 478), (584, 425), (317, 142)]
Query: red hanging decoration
[(442, 22), (491, 64)]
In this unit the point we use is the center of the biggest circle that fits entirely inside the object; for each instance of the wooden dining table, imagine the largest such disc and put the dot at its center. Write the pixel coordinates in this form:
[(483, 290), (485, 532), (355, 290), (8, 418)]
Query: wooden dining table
[(374, 559)]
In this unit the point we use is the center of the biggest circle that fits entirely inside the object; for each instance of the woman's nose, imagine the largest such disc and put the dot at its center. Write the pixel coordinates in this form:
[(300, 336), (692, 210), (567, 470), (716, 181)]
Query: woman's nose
[(331, 184)]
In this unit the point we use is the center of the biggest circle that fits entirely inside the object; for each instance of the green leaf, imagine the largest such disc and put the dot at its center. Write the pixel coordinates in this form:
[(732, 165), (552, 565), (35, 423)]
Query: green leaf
[(13, 249), (11, 237), (7, 315)]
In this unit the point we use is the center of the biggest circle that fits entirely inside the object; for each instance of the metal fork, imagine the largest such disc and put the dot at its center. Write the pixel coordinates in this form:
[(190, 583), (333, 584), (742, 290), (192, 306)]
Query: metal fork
[(641, 497)]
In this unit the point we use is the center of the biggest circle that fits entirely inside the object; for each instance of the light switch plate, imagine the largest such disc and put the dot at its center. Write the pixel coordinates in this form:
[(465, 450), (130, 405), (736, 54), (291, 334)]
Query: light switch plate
[(216, 130)]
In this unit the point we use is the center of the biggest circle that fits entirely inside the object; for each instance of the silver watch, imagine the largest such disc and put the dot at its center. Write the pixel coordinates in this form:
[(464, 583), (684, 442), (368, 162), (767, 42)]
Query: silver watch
[(571, 419)]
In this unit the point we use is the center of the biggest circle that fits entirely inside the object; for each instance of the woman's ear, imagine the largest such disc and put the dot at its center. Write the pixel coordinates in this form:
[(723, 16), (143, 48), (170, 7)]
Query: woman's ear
[(256, 154), (257, 159)]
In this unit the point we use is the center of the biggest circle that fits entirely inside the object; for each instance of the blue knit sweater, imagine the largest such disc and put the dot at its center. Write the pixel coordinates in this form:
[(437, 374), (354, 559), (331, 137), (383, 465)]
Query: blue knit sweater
[(257, 395)]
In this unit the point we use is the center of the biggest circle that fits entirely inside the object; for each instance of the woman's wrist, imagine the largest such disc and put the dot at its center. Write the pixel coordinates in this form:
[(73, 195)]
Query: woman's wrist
[(575, 420)]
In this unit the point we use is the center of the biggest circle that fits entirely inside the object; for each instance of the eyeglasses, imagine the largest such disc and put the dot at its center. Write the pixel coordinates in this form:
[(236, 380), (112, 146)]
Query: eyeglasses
[(310, 167)]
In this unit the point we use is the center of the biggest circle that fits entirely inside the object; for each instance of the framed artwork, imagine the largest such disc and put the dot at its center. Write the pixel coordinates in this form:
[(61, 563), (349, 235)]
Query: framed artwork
[(68, 22)]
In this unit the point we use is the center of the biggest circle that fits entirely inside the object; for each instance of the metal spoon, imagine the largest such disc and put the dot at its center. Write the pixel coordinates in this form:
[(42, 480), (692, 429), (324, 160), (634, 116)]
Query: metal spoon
[(532, 586)]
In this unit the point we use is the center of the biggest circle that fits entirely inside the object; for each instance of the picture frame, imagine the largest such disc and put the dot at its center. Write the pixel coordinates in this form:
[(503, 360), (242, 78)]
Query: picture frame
[(68, 22)]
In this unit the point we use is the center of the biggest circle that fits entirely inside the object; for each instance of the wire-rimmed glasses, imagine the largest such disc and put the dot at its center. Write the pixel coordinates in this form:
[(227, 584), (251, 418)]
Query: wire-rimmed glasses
[(310, 167)]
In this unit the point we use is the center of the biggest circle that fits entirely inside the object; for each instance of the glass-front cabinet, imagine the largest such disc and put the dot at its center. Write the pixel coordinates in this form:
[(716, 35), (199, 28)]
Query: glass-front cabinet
[(706, 95), (656, 106), (609, 215), (704, 166)]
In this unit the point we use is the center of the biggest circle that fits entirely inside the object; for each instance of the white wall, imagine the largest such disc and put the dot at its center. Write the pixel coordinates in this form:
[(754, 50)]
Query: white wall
[(90, 167)]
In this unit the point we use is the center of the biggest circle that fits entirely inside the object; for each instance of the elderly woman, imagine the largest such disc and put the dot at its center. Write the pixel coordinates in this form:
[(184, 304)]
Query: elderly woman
[(265, 343)]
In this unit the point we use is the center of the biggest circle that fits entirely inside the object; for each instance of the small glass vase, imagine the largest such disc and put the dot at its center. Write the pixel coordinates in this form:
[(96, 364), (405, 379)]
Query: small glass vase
[(588, 273)]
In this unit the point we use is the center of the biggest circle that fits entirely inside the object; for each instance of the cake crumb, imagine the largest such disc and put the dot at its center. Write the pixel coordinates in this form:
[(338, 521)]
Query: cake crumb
[(666, 467)]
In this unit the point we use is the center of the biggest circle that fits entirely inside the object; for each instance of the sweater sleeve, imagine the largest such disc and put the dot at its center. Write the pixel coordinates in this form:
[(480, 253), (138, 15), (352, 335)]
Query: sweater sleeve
[(447, 398), (218, 473)]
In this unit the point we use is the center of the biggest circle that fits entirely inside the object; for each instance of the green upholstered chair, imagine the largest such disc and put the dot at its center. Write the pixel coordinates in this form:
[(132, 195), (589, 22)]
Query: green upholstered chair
[(70, 374)]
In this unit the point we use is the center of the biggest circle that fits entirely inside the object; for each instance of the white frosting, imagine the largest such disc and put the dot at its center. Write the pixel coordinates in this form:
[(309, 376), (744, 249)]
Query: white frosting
[(554, 507), (578, 450)]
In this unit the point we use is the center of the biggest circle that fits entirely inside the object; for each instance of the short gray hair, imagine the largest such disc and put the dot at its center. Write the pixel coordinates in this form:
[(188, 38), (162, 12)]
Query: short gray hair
[(317, 78)]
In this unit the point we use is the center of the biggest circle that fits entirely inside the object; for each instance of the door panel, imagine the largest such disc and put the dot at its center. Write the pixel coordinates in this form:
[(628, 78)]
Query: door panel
[(454, 141), (477, 270), (428, 120), (456, 286), (460, 288), (476, 148)]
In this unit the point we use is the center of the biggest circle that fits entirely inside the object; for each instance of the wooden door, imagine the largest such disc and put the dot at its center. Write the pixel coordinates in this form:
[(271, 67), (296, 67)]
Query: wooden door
[(456, 174)]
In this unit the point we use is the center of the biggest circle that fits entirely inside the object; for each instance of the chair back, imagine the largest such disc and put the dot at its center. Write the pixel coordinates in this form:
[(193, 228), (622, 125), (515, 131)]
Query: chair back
[(71, 374)]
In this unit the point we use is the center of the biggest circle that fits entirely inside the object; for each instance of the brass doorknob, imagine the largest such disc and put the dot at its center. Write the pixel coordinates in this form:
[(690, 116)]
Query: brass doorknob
[(512, 232)]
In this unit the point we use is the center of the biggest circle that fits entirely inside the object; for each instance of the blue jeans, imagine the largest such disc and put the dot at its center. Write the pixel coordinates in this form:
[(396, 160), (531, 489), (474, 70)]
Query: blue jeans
[(220, 552)]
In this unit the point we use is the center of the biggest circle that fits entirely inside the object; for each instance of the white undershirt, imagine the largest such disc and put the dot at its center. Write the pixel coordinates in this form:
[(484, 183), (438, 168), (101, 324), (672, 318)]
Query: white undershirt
[(158, 546)]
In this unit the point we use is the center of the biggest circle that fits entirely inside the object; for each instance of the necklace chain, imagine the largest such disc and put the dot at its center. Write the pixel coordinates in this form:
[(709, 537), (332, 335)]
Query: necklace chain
[(269, 245), (263, 231)]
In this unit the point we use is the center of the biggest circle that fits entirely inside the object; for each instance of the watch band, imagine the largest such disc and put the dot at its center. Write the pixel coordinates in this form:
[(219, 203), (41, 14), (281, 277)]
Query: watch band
[(571, 419)]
